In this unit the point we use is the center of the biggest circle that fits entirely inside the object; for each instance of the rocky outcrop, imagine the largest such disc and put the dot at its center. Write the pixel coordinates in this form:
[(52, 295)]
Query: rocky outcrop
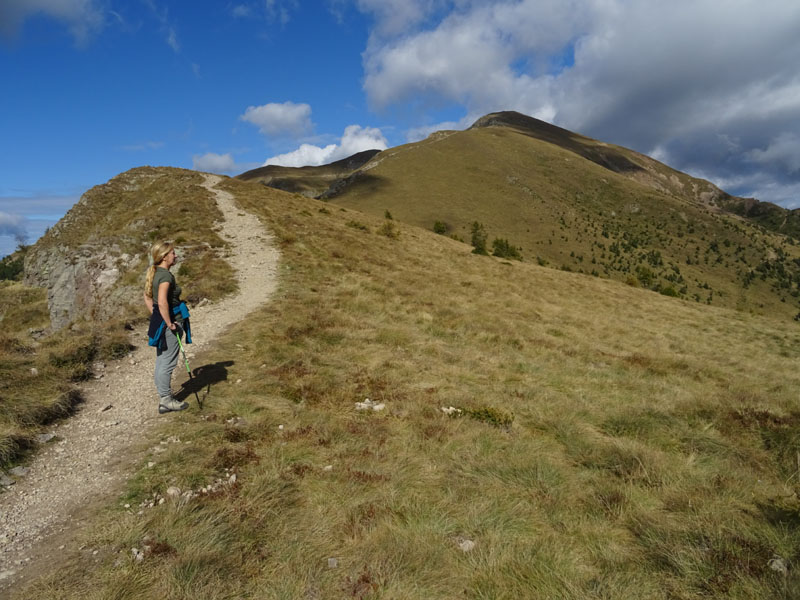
[(80, 282)]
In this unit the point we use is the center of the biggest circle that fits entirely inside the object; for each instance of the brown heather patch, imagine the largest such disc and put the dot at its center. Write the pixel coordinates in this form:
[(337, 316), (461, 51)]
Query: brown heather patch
[(365, 476), (361, 586), (298, 470), (159, 548), (228, 457)]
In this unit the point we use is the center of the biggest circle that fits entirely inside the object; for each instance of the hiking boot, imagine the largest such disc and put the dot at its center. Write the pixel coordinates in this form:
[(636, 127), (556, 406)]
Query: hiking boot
[(170, 404)]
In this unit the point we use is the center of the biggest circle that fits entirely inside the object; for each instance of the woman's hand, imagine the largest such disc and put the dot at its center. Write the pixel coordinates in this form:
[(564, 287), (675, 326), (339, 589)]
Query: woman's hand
[(172, 326)]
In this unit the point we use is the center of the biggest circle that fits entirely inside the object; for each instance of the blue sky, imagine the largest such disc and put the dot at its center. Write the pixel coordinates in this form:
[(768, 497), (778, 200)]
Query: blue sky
[(92, 88)]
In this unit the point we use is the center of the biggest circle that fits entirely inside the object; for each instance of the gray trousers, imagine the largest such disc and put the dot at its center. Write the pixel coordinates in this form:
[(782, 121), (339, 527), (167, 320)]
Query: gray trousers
[(166, 361)]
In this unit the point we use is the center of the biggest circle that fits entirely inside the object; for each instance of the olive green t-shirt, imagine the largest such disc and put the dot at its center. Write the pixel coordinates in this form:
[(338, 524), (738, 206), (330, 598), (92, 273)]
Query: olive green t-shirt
[(173, 292)]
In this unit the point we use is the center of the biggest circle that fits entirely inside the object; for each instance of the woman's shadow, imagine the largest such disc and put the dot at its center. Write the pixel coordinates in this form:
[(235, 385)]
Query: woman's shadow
[(203, 377)]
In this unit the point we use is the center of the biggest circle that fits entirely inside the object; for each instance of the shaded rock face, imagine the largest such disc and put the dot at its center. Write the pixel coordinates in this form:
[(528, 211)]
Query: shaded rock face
[(80, 282)]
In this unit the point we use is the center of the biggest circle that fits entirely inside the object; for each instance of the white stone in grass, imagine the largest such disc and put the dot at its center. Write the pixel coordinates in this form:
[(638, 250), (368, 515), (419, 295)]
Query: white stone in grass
[(327, 468), (451, 410), (333, 563), (173, 492), (368, 404), (34, 371), (466, 545), (779, 565)]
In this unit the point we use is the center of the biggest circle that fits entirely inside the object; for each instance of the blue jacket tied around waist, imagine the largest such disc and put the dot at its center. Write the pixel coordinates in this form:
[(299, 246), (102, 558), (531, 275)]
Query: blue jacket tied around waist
[(158, 328)]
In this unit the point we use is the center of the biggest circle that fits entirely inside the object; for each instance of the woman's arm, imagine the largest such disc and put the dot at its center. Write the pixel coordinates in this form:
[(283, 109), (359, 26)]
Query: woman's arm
[(163, 304), (148, 301)]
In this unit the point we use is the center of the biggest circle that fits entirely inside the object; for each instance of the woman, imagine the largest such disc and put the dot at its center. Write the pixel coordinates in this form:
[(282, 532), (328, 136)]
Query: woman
[(168, 321)]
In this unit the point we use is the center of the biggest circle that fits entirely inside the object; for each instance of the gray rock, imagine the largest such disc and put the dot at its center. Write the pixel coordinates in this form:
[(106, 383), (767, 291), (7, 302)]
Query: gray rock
[(43, 438), (79, 281), (6, 481), (19, 471)]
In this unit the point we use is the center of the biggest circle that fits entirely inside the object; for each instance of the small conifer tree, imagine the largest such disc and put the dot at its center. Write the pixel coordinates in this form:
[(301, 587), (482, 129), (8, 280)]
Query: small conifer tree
[(479, 239)]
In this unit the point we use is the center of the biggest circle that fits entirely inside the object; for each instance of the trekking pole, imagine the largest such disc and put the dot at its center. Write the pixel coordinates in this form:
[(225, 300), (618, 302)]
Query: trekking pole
[(188, 370)]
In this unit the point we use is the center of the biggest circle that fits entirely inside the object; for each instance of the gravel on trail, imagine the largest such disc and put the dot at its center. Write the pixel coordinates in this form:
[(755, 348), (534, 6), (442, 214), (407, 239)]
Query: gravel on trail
[(93, 452)]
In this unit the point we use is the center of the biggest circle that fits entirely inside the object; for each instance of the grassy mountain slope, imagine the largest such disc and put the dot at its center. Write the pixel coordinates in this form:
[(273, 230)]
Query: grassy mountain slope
[(584, 206), (308, 181), (613, 443)]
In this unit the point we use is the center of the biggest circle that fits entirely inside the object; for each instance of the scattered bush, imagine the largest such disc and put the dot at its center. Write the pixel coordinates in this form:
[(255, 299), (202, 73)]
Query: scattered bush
[(11, 266), (389, 229), (440, 227), (645, 276), (357, 225), (491, 415), (388, 215), (502, 249), (669, 291)]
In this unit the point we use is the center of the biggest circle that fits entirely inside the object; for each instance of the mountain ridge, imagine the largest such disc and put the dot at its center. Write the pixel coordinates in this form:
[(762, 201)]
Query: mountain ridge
[(308, 181)]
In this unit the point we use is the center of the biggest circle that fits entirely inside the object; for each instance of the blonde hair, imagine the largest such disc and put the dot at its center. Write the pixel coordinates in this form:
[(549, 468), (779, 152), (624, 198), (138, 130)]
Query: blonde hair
[(157, 253)]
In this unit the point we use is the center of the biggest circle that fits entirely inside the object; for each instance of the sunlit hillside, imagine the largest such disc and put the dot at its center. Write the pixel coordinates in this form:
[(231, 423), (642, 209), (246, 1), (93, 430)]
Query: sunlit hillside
[(598, 440), (573, 203)]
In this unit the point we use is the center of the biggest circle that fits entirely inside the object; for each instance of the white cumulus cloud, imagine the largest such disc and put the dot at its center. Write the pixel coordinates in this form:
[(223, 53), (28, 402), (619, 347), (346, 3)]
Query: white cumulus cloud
[(214, 163), (275, 119), (354, 139)]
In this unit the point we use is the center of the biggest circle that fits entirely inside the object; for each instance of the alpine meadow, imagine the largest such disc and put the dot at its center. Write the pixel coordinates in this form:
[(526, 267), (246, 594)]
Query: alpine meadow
[(506, 362)]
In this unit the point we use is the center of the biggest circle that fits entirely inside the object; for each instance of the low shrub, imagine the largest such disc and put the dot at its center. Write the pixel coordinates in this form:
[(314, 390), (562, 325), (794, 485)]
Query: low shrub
[(389, 229), (491, 415), (502, 249), (357, 225)]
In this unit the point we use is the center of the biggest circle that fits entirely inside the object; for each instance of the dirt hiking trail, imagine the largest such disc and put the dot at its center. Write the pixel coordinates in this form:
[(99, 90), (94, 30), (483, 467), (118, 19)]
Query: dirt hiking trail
[(93, 452)]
